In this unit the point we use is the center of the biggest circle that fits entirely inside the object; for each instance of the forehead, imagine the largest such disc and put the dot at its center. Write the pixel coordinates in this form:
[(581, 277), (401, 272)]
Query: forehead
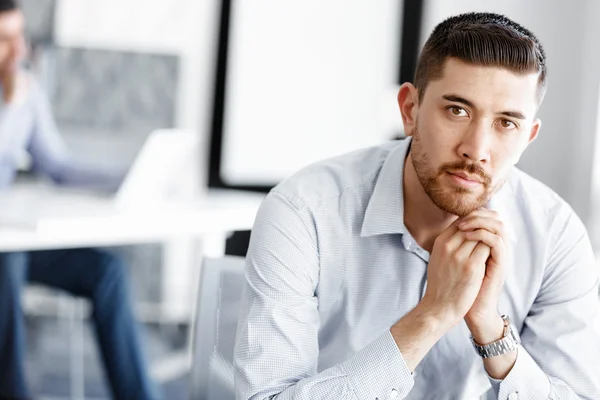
[(489, 88), (11, 23)]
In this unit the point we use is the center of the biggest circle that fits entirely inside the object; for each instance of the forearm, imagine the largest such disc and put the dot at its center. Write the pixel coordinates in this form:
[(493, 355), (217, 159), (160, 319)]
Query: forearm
[(76, 174), (376, 371), (418, 331)]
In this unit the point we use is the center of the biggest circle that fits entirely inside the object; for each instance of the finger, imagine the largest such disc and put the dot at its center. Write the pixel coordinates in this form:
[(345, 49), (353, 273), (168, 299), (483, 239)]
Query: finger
[(481, 213), (455, 241), (484, 212), (452, 228), (448, 233), (464, 251), (490, 224), (480, 254), (495, 242)]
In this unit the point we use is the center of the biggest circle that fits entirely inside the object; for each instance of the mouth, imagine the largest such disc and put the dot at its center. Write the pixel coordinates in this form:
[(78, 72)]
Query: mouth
[(465, 180)]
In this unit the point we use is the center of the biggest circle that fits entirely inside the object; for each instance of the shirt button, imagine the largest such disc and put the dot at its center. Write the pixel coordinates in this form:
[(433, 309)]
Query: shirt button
[(513, 396), (393, 394)]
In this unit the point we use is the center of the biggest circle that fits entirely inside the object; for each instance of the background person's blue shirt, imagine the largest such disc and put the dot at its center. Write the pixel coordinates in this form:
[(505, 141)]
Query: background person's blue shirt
[(27, 125)]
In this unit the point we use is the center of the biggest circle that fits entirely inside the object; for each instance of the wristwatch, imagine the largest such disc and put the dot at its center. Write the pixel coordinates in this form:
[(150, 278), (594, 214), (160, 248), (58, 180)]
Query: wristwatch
[(509, 342)]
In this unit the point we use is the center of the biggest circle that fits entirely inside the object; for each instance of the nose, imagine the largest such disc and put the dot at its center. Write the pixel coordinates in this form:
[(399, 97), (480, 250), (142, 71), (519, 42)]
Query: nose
[(475, 144)]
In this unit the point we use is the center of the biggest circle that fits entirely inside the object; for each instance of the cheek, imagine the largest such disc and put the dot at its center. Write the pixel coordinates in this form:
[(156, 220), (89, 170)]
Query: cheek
[(434, 133), (505, 157)]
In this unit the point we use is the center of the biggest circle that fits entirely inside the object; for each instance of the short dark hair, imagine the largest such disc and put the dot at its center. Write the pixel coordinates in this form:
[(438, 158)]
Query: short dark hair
[(8, 5), (486, 39)]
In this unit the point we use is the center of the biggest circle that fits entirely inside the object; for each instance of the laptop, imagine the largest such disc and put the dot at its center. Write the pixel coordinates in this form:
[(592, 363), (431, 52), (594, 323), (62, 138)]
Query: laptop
[(165, 169)]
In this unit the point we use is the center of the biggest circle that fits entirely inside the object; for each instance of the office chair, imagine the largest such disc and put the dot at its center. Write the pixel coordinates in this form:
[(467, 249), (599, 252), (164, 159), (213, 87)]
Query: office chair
[(214, 329)]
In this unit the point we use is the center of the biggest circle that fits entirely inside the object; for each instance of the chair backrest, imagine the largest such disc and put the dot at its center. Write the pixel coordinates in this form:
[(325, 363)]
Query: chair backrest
[(215, 328)]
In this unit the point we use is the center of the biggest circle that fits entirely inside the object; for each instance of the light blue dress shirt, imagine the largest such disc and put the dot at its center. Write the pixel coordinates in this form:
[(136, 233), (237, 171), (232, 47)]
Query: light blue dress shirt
[(331, 267), (27, 125)]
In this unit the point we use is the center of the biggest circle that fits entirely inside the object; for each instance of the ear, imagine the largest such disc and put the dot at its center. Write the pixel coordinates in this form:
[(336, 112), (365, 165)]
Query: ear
[(408, 99), (535, 129)]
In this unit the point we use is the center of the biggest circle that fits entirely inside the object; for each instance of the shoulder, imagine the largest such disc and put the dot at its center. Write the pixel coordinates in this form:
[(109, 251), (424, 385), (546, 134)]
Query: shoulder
[(332, 178), (542, 208)]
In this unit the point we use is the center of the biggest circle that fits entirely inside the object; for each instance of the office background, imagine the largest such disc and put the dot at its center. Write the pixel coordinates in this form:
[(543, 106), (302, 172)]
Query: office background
[(304, 80)]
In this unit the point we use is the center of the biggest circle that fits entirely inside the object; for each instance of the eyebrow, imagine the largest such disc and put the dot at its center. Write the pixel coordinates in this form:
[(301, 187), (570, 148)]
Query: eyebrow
[(458, 99)]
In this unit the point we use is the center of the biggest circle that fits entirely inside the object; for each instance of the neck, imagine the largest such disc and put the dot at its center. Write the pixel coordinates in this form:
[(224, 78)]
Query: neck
[(423, 219)]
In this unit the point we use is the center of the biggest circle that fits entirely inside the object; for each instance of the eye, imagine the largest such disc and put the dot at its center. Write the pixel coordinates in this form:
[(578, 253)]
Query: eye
[(457, 111), (507, 124)]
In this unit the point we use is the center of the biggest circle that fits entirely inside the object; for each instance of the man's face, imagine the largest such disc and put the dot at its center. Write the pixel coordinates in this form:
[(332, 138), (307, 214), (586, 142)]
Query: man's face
[(471, 127), (12, 41)]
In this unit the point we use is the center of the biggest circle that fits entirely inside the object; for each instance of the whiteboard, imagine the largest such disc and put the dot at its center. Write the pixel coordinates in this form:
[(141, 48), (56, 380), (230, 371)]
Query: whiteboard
[(307, 80)]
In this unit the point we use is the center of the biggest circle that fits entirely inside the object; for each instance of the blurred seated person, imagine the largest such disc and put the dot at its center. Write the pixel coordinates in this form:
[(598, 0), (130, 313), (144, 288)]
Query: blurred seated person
[(27, 125)]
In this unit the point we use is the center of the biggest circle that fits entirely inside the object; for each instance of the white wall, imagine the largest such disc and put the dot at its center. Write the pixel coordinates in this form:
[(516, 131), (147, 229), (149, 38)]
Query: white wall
[(562, 155)]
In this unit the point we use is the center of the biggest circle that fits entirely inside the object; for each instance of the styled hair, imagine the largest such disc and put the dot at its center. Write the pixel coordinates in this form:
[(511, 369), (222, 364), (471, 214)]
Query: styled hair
[(485, 39), (8, 5)]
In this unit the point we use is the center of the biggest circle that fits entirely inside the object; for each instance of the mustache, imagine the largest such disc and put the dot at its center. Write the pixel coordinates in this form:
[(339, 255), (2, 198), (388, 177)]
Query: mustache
[(469, 168)]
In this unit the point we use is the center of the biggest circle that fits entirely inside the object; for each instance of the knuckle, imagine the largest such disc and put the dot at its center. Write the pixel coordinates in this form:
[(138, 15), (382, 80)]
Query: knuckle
[(501, 226), (470, 265), (456, 258), (446, 247)]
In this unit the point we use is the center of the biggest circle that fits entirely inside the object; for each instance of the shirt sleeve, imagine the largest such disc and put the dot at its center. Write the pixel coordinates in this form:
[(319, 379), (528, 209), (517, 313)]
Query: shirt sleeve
[(277, 349), (51, 157), (560, 353)]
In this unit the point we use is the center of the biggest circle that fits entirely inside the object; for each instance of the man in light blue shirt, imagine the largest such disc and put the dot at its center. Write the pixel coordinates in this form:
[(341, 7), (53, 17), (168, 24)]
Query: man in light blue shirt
[(26, 125), (430, 267)]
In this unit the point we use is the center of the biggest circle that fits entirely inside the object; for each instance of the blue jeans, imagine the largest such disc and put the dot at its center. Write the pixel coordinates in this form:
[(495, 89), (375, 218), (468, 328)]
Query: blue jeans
[(92, 274)]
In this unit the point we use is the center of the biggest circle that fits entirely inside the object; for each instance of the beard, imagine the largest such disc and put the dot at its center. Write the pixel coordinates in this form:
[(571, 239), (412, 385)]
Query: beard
[(455, 200)]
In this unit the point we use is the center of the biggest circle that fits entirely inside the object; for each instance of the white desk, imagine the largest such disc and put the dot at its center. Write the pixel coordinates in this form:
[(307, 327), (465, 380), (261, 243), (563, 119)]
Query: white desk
[(34, 216)]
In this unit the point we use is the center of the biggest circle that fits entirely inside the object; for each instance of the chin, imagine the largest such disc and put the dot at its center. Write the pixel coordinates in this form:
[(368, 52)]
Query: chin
[(459, 202)]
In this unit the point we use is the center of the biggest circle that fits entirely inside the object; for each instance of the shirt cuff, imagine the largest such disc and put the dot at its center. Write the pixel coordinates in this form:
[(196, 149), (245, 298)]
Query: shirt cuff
[(379, 370), (495, 384), (525, 380)]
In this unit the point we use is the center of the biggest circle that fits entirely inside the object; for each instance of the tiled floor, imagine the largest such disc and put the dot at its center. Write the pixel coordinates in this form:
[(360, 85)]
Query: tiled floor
[(48, 362)]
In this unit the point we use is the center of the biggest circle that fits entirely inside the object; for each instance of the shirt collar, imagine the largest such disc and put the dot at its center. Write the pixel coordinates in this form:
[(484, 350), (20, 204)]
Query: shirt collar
[(385, 211)]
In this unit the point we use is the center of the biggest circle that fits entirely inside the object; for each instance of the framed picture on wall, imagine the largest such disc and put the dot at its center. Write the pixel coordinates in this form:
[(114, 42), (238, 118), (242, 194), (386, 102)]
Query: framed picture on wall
[(304, 80)]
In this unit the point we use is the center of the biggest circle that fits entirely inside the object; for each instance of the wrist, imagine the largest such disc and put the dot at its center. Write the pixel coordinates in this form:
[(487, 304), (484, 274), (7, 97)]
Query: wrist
[(486, 331), (439, 318)]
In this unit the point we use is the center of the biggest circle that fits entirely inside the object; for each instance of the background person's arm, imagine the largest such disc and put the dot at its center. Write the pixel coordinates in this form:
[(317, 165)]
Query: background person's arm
[(51, 157)]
